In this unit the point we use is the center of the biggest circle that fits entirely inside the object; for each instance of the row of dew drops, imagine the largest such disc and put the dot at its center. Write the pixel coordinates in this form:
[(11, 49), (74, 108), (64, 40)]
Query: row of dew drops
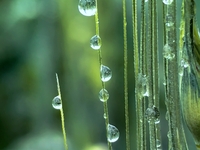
[(88, 8)]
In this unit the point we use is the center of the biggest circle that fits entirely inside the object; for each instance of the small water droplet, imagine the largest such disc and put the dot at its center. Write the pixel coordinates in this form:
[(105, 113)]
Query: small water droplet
[(146, 0), (157, 121), (167, 2), (104, 116), (169, 22), (57, 103), (167, 115), (113, 133), (105, 73), (152, 114), (87, 7), (167, 52), (103, 95), (164, 83), (143, 85), (95, 42), (184, 63), (158, 143)]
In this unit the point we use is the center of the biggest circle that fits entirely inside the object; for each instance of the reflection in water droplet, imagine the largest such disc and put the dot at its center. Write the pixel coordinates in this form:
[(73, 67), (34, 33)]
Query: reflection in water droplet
[(57, 103), (152, 114), (105, 73), (95, 42), (87, 7), (167, 2), (103, 95), (167, 52), (113, 133)]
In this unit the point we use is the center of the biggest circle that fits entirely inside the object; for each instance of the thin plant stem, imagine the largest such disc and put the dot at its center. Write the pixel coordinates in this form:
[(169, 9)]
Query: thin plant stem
[(105, 104), (62, 115), (126, 77)]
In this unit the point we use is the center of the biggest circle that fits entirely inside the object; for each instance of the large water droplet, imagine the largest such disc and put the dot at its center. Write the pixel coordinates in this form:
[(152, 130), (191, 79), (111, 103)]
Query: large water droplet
[(95, 42), (167, 2), (113, 133), (167, 52), (152, 114), (103, 95), (87, 7), (57, 103), (105, 73)]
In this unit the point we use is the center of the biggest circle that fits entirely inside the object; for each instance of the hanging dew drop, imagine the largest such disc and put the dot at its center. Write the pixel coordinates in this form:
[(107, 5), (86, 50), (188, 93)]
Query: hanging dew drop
[(113, 133), (87, 7), (169, 21), (167, 2), (152, 114), (105, 73), (95, 42), (158, 143), (104, 116), (57, 103), (103, 95), (143, 87), (167, 52)]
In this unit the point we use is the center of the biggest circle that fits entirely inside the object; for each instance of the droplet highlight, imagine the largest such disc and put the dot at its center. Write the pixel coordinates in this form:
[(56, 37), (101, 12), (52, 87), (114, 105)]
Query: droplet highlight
[(95, 42), (105, 73), (169, 22), (57, 103), (167, 52), (152, 114), (113, 133), (167, 2), (103, 95), (87, 7)]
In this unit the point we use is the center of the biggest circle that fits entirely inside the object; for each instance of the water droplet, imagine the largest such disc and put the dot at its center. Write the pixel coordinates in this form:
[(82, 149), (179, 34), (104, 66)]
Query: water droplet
[(152, 114), (167, 2), (167, 115), (169, 22), (146, 0), (87, 7), (104, 116), (103, 95), (113, 133), (157, 121), (158, 143), (57, 103), (105, 73), (143, 85), (167, 52), (95, 42), (184, 63)]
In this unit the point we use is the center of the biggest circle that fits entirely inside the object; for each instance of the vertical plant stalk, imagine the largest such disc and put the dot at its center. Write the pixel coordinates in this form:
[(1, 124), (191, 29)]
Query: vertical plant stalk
[(156, 78), (176, 140), (62, 115), (143, 71), (126, 77), (105, 104), (136, 69)]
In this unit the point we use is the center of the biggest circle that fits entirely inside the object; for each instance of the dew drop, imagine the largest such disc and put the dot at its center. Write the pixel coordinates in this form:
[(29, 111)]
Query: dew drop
[(167, 2), (113, 133), (95, 42), (184, 63), (158, 143), (146, 0), (143, 85), (105, 73), (167, 52), (57, 103), (152, 114), (169, 21), (103, 95), (104, 116), (87, 7)]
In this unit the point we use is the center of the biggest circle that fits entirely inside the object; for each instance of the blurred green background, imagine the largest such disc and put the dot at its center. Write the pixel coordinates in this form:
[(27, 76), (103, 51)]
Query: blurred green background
[(39, 38)]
